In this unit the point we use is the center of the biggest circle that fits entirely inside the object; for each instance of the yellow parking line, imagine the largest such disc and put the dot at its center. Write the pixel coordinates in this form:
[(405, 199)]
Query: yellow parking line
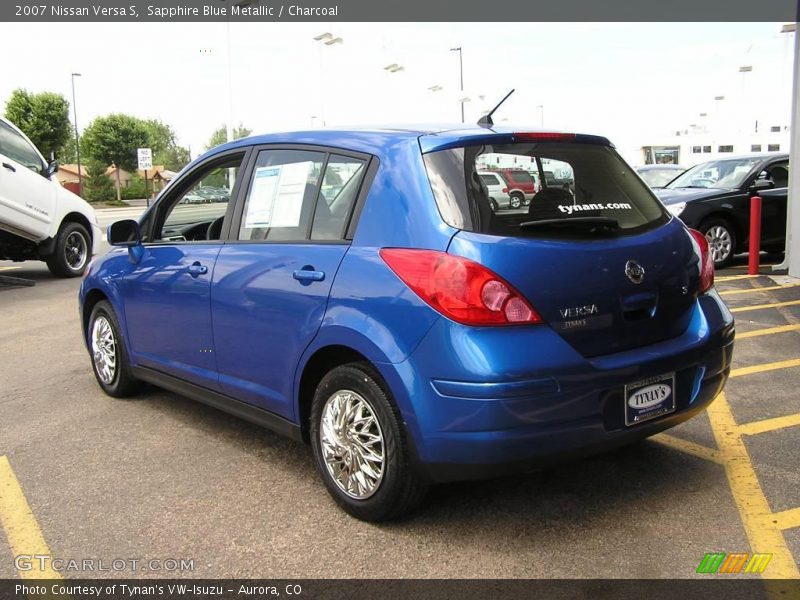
[(734, 277), (763, 289), (763, 306), (768, 331), (688, 447), (783, 364), (9, 268), (22, 530), (746, 266), (788, 518), (756, 427), (758, 520)]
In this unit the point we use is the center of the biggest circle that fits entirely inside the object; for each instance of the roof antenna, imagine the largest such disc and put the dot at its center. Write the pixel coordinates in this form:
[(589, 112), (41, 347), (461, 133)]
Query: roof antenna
[(486, 120)]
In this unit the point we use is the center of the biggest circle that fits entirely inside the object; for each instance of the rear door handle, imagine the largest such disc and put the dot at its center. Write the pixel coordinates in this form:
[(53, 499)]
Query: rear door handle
[(308, 275), (196, 269), (10, 167)]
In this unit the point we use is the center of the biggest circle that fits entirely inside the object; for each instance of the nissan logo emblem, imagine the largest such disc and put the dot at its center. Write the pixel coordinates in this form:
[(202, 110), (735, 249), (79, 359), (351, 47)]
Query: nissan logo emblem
[(634, 271)]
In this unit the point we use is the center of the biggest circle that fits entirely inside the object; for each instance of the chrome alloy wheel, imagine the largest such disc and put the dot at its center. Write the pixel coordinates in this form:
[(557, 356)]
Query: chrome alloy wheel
[(104, 349), (352, 444), (719, 243), (76, 250)]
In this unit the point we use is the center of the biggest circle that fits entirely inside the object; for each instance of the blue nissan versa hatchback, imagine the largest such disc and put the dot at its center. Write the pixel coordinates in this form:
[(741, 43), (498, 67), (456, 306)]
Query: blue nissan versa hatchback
[(355, 290)]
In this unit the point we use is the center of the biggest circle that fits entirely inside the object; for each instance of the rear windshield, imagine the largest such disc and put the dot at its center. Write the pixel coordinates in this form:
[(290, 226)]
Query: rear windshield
[(583, 190)]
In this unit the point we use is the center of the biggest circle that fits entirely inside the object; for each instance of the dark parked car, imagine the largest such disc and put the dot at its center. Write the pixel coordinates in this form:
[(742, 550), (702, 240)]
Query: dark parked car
[(714, 198), (658, 176)]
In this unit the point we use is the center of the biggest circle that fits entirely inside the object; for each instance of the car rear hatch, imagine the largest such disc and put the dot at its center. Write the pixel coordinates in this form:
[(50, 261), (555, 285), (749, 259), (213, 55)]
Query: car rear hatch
[(604, 265)]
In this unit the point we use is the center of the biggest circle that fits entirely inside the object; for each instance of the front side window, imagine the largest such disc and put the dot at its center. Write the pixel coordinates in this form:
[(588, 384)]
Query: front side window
[(727, 174), (586, 190), (195, 210), (15, 147)]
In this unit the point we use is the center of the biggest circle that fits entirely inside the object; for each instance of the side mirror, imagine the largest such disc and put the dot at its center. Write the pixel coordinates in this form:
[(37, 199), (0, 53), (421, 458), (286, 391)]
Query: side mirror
[(51, 169), (124, 233), (762, 184)]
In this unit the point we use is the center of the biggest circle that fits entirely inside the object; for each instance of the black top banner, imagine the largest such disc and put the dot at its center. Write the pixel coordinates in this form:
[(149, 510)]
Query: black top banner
[(399, 10)]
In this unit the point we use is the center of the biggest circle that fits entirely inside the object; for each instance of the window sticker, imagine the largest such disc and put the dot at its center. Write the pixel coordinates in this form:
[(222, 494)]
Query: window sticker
[(276, 198)]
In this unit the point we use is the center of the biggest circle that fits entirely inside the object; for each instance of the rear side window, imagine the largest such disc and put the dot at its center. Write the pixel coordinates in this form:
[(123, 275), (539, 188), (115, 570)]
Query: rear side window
[(586, 190), (490, 179), (340, 186), (521, 177)]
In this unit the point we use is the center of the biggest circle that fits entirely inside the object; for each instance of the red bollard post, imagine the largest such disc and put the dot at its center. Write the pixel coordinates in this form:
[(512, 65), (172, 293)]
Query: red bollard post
[(755, 235)]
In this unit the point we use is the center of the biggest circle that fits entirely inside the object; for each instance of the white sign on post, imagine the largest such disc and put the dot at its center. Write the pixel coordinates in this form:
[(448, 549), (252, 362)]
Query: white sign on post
[(145, 158)]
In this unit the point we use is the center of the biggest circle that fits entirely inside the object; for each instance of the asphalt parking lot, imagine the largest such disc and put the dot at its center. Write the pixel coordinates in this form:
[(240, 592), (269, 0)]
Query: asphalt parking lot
[(83, 476)]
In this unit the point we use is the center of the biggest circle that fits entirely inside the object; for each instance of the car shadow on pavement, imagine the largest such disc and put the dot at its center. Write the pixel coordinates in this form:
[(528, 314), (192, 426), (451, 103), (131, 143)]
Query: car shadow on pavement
[(564, 495)]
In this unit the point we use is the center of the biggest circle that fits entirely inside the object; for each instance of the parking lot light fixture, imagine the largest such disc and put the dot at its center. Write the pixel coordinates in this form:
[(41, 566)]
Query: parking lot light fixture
[(325, 39), (461, 74), (435, 88), (394, 68)]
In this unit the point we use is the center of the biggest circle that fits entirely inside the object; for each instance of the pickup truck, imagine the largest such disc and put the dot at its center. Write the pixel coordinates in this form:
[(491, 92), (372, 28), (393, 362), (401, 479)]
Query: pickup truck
[(40, 219)]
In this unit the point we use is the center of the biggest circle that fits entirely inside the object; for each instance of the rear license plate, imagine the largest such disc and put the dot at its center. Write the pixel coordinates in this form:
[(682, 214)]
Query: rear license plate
[(649, 399)]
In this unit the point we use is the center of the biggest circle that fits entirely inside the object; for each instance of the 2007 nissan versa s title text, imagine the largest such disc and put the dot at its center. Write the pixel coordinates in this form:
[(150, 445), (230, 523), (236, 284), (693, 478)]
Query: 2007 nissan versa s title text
[(354, 289)]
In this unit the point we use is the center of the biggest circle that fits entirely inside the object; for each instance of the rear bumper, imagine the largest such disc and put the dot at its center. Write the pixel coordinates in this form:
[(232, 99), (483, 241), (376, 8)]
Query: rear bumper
[(485, 402)]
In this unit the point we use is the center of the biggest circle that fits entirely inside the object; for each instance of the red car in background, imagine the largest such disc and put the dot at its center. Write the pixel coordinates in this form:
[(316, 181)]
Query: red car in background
[(521, 186)]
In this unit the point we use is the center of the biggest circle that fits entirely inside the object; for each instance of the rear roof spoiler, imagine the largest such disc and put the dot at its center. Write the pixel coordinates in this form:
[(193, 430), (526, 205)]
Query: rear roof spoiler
[(459, 138)]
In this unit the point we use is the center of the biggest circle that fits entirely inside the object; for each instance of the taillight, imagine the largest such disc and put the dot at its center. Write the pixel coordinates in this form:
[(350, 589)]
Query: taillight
[(460, 289), (505, 190), (706, 262)]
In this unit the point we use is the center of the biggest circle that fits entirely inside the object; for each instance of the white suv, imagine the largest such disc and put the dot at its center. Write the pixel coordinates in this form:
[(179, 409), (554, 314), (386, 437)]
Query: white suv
[(39, 219), (497, 188)]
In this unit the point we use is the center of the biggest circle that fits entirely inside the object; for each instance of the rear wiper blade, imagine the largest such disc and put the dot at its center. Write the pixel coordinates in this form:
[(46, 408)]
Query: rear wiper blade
[(606, 222)]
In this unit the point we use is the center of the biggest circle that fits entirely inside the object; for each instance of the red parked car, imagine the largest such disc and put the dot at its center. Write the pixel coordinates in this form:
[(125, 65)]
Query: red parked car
[(521, 186)]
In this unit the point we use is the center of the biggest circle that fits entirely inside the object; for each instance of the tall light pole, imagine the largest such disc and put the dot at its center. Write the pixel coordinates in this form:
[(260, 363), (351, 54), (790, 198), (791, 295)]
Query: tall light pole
[(744, 70), (77, 137), (541, 115), (327, 39), (461, 73)]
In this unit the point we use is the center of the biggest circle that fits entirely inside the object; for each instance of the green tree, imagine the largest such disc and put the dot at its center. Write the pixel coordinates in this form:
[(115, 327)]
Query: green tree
[(166, 150), (67, 154), (220, 136), (97, 187), (43, 117), (115, 138)]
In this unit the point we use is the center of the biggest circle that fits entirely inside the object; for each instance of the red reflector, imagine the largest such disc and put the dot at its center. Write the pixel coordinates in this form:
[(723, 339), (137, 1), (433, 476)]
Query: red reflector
[(505, 190), (539, 136), (706, 262), (458, 288)]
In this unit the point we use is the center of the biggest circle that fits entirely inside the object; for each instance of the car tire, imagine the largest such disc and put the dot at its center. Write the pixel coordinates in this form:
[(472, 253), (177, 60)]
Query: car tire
[(493, 204), (110, 362), (73, 251), (721, 240), (526, 202), (516, 199), (384, 484)]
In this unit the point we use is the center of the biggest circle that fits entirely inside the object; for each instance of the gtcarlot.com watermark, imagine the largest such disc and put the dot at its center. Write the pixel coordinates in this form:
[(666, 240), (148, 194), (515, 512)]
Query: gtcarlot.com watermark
[(42, 562)]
